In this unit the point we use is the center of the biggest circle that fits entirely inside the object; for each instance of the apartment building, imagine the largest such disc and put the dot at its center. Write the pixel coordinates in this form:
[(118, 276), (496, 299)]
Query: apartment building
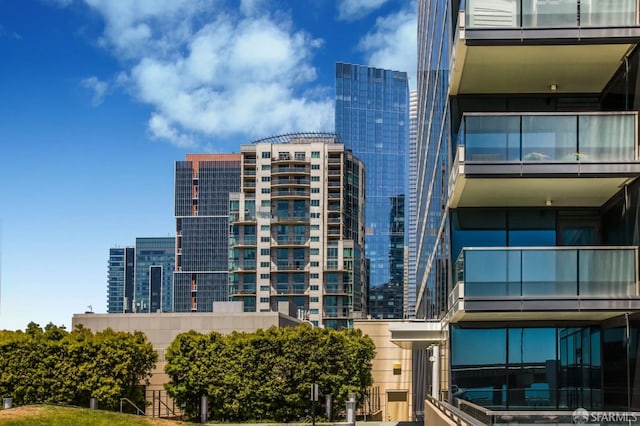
[(528, 207), (296, 240)]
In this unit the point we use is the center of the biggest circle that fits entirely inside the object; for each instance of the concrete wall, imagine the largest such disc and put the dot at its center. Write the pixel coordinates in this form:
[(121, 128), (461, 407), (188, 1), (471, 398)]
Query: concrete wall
[(395, 384), (162, 328)]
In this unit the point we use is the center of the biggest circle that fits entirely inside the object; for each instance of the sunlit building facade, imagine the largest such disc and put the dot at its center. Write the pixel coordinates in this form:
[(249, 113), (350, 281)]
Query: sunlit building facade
[(203, 183), (528, 203), (296, 241), (120, 280), (372, 117)]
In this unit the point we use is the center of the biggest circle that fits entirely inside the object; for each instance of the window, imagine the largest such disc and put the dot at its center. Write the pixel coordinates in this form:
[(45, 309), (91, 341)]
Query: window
[(315, 215), (312, 276), (315, 167), (314, 251), (265, 203), (266, 178), (315, 239), (264, 277), (266, 190), (299, 155), (316, 264), (315, 154), (265, 227), (313, 300), (265, 252), (315, 190), (264, 300), (315, 203), (264, 239), (314, 287), (264, 288), (266, 155), (266, 167), (264, 264), (315, 178), (315, 227)]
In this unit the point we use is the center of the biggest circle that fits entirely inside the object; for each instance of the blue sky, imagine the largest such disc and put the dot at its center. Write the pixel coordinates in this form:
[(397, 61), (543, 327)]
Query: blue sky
[(99, 98)]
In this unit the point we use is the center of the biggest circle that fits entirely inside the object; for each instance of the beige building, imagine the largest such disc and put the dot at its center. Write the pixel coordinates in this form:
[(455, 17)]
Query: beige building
[(162, 328), (391, 397), (297, 230)]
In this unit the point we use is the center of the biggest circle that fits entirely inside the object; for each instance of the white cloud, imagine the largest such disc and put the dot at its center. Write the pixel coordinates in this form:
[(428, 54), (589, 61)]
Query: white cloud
[(351, 10), (209, 72), (97, 87), (392, 44)]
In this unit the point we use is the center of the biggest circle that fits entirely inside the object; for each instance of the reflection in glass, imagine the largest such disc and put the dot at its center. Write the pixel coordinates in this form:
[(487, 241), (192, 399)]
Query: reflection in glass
[(549, 138), (547, 272), (492, 138), (529, 368)]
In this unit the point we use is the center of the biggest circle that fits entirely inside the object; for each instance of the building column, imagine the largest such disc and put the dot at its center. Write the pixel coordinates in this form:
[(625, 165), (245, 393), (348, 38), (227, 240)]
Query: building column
[(435, 372)]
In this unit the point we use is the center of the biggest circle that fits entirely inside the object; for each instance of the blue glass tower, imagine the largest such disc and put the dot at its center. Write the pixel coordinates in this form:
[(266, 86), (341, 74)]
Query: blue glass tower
[(372, 116), (155, 262), (120, 279)]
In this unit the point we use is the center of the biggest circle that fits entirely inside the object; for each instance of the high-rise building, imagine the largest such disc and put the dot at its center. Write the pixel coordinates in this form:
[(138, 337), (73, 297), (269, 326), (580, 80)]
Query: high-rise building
[(154, 265), (412, 217), (528, 199), (296, 243), (120, 279), (372, 117), (202, 186)]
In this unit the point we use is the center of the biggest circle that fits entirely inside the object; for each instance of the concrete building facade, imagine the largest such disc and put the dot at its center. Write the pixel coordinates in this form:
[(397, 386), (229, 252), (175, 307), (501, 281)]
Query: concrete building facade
[(297, 230)]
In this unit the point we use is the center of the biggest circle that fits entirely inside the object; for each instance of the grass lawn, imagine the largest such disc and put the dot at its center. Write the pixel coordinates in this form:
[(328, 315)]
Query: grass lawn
[(47, 415)]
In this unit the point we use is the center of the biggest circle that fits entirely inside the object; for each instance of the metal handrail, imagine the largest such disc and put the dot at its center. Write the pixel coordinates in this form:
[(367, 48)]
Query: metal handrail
[(138, 410)]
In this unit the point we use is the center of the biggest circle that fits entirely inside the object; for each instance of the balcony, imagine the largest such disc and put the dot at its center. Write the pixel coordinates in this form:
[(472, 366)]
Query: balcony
[(246, 266), (290, 218), (290, 193), (248, 240), (296, 265), (289, 169), (291, 241), (283, 181), (507, 46), (570, 149), (336, 312), (538, 283)]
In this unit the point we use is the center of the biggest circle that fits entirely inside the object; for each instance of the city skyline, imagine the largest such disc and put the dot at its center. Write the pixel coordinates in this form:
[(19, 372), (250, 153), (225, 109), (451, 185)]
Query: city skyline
[(94, 119)]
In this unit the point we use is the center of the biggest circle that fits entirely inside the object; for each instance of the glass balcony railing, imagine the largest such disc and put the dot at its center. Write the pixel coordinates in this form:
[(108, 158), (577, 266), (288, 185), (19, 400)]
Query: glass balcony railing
[(590, 137), (549, 13), (608, 272)]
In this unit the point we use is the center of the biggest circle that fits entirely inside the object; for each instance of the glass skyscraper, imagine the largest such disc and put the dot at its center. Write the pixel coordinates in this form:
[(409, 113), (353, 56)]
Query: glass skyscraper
[(372, 117), (154, 265), (202, 186), (120, 279)]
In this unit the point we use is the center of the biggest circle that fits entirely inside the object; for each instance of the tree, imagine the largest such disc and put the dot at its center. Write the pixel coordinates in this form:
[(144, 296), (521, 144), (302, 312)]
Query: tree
[(267, 375), (55, 366)]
